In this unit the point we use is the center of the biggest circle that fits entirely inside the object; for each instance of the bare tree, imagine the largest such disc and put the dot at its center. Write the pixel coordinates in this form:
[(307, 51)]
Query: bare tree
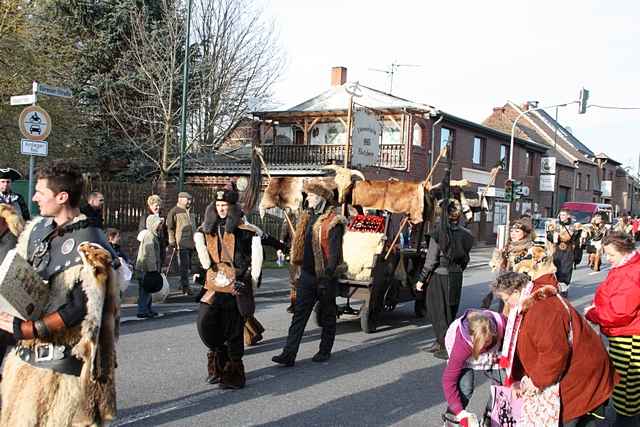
[(144, 100), (238, 62)]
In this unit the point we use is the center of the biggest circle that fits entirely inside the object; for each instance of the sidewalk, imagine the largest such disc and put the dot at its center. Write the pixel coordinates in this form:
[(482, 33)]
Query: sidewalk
[(480, 256)]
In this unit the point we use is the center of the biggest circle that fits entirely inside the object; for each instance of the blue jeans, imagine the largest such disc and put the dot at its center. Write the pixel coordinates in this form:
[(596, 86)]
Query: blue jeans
[(466, 383), (144, 298)]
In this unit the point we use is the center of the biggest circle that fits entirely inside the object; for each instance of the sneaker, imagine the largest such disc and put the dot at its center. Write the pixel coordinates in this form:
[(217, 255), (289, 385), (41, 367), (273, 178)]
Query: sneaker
[(441, 354), (153, 314), (321, 357), (143, 315), (284, 359)]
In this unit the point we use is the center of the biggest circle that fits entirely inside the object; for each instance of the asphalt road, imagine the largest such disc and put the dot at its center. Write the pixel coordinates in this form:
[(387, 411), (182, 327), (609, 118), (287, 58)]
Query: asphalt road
[(383, 378)]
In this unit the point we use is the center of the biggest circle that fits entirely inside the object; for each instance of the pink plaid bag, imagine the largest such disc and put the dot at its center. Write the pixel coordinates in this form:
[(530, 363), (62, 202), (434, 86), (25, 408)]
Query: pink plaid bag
[(506, 411)]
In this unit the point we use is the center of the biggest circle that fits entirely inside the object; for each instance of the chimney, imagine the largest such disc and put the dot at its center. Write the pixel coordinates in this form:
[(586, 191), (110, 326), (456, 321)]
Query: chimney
[(338, 76)]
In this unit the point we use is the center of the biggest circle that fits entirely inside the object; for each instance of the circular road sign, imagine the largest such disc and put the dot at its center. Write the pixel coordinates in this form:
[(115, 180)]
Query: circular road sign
[(35, 123)]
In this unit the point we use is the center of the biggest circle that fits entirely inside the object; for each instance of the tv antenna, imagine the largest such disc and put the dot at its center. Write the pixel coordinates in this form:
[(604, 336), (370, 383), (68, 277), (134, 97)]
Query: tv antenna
[(392, 70)]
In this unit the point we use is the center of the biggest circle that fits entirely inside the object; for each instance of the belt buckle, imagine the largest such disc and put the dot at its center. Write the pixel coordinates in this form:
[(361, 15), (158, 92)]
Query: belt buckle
[(43, 352)]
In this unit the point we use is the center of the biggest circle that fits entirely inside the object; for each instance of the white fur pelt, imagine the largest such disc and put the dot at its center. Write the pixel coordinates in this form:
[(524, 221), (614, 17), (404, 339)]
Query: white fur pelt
[(358, 251)]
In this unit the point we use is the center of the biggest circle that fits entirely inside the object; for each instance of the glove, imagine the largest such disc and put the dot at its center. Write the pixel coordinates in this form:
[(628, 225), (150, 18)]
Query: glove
[(467, 419)]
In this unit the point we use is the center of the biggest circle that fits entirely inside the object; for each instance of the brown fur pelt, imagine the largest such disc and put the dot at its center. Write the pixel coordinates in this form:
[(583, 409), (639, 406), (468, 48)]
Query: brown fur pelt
[(282, 192), (326, 221), (538, 295), (42, 397), (297, 243), (393, 196), (13, 220), (252, 192)]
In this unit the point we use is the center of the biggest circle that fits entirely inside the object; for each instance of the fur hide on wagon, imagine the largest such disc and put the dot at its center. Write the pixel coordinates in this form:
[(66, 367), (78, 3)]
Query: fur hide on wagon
[(359, 250), (282, 192), (41, 397), (393, 196)]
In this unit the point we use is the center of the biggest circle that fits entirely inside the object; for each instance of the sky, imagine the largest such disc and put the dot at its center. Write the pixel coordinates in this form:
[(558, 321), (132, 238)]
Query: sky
[(474, 56)]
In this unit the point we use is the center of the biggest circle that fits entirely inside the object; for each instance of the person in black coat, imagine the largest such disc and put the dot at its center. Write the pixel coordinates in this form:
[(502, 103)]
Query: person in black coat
[(442, 274), (7, 196), (317, 248), (93, 208)]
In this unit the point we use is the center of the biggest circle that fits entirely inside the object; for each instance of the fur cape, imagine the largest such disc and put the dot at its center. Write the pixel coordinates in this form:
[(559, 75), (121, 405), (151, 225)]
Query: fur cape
[(41, 397), (538, 295)]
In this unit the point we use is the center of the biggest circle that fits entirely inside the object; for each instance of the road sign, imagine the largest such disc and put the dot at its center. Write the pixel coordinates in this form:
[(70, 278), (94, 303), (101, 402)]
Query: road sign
[(35, 123), (34, 148), (23, 99), (63, 92)]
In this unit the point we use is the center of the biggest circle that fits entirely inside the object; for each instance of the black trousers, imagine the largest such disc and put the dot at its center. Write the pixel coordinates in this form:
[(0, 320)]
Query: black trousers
[(443, 301), (184, 264), (307, 296), (221, 327)]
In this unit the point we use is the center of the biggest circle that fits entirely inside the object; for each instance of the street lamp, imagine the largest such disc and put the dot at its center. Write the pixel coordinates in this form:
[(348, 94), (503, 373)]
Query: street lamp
[(511, 146), (185, 85)]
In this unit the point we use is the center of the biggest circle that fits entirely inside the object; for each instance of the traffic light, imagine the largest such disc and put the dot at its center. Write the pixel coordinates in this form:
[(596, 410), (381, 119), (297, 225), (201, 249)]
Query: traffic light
[(508, 190), (516, 188), (584, 97)]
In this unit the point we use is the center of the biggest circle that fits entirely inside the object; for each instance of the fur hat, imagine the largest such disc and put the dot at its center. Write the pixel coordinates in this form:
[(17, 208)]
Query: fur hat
[(13, 220), (228, 193), (320, 187), (523, 223)]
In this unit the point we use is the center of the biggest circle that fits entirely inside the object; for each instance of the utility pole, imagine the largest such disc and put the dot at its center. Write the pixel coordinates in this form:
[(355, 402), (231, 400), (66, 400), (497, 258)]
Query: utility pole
[(185, 86)]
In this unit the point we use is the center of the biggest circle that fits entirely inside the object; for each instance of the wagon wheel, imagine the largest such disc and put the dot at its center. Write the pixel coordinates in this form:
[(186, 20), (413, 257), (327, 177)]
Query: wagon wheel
[(367, 316)]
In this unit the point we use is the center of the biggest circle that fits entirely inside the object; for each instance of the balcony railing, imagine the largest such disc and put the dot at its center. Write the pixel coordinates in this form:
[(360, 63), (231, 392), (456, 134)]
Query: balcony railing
[(391, 155)]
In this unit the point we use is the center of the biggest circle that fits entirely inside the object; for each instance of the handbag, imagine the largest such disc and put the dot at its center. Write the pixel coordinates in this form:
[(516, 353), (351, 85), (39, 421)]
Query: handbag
[(152, 282), (506, 411)]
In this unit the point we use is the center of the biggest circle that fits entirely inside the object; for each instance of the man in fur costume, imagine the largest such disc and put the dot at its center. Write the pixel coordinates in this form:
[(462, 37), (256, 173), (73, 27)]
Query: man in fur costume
[(317, 248), (564, 236), (61, 372), (595, 234), (223, 244), (442, 274)]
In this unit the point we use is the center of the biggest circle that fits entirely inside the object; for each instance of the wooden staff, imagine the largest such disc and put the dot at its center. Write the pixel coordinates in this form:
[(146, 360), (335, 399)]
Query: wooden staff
[(402, 224), (443, 152), (266, 169), (492, 180)]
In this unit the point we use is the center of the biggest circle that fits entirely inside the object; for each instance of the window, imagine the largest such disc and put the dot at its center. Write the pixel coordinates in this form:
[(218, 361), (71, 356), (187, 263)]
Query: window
[(417, 135), (588, 183), (528, 163), (446, 136), (478, 151), (578, 181), (504, 156)]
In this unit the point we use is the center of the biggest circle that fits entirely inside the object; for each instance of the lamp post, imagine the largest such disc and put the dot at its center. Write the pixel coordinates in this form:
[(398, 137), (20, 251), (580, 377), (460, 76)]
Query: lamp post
[(512, 143), (185, 85)]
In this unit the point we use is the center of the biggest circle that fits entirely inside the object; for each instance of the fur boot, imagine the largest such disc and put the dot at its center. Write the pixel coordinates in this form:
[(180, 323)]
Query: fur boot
[(252, 331), (216, 361), (233, 375)]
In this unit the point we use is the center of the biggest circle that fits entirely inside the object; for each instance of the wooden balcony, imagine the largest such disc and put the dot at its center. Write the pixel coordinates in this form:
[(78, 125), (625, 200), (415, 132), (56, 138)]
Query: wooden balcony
[(392, 156)]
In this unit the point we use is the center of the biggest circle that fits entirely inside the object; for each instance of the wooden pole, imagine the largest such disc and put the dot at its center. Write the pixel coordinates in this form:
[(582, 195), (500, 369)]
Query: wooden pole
[(349, 125), (443, 152), (266, 169), (402, 224)]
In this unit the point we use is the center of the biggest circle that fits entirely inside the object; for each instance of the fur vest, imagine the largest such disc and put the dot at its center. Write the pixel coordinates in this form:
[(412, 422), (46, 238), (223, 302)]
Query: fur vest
[(534, 261), (41, 397), (320, 239)]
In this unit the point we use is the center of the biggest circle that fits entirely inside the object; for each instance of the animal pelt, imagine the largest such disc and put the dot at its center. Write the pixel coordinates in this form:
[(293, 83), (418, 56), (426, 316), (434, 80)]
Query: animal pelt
[(538, 295), (41, 397), (325, 222), (297, 243), (344, 179), (15, 223), (359, 251), (234, 218), (393, 196), (282, 192), (322, 187)]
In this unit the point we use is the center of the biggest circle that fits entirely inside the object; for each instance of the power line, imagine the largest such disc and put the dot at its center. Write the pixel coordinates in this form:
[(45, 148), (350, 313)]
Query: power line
[(608, 107)]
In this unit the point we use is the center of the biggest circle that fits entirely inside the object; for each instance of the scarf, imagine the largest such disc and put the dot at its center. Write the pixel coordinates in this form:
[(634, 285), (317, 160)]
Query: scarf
[(511, 333)]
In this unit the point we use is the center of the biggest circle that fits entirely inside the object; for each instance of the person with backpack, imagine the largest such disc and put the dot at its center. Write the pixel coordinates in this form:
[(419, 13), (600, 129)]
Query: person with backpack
[(442, 274)]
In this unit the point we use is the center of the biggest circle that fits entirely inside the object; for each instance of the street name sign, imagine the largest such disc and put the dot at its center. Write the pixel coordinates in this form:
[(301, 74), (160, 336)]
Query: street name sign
[(23, 99), (34, 148), (35, 123), (63, 92)]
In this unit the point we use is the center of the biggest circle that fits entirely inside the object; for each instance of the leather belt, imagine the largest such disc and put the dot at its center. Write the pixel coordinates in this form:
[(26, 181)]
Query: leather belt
[(58, 358)]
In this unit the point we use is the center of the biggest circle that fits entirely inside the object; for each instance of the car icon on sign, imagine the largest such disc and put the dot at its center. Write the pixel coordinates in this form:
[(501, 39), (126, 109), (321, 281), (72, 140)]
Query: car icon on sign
[(35, 129)]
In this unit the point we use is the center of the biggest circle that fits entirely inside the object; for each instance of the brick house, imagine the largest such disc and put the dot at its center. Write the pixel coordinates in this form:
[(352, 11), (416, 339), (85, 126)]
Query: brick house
[(300, 140)]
